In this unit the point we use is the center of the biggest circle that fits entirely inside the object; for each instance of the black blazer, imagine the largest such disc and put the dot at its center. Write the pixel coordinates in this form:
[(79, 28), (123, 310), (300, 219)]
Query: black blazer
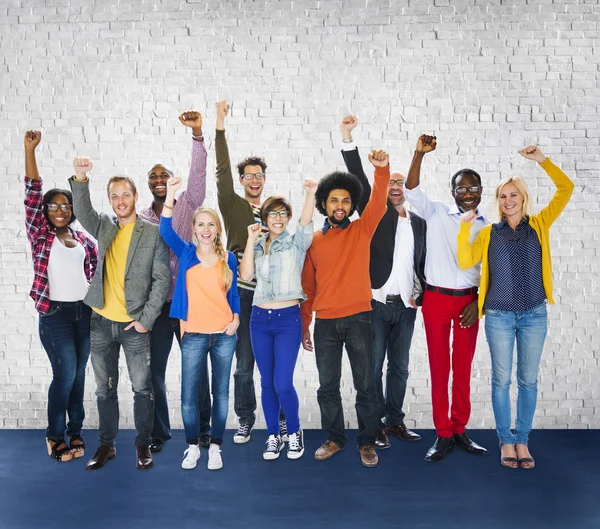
[(384, 239)]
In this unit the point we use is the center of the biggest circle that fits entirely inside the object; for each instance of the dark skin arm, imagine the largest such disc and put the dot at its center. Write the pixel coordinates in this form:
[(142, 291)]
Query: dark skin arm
[(32, 140), (469, 315), (425, 144)]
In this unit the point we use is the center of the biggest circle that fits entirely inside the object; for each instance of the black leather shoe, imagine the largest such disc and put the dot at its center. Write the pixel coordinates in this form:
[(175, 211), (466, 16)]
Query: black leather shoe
[(205, 440), (402, 432), (440, 449), (102, 455), (463, 440), (381, 440), (156, 446), (144, 457)]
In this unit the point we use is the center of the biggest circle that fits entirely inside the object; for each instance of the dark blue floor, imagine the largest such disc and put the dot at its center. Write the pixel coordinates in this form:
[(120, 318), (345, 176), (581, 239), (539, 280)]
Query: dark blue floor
[(463, 491)]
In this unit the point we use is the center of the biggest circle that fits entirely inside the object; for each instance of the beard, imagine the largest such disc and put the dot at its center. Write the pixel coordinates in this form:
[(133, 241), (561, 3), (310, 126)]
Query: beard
[(336, 222)]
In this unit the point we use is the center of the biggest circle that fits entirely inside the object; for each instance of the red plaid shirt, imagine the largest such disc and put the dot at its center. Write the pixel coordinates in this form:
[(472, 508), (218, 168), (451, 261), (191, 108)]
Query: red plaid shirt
[(41, 236)]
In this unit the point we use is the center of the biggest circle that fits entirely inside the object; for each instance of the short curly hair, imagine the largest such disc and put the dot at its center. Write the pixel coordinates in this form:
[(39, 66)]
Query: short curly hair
[(338, 180), (251, 160)]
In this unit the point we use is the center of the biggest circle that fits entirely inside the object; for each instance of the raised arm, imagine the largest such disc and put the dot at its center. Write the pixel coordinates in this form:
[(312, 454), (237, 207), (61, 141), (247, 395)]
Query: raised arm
[(305, 231), (425, 144), (82, 203), (34, 214), (564, 185), (167, 232), (352, 160), (224, 175), (247, 262), (376, 206), (193, 197)]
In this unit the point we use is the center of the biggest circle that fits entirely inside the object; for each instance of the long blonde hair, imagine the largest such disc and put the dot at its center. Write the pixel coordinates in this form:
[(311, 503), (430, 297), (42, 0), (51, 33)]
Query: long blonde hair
[(218, 243), (523, 188)]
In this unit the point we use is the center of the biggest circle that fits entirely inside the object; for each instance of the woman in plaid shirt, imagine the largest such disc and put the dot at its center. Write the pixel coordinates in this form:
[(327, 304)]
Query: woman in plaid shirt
[(64, 261)]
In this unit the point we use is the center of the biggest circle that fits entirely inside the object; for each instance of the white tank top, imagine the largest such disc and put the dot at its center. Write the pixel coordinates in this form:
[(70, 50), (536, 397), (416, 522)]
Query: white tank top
[(66, 275)]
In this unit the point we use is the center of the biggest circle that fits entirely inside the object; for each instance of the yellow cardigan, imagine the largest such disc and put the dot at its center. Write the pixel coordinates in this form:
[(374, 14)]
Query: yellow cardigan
[(469, 255)]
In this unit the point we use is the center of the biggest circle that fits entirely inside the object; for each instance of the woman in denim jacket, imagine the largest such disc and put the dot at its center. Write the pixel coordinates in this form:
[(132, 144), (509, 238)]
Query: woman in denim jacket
[(275, 324)]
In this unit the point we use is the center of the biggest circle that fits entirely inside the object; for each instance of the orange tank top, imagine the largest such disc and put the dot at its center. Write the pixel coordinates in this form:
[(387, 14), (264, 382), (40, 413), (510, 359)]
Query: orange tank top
[(208, 308)]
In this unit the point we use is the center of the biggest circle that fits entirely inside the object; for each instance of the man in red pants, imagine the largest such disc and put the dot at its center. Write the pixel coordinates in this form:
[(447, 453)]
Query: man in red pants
[(449, 303)]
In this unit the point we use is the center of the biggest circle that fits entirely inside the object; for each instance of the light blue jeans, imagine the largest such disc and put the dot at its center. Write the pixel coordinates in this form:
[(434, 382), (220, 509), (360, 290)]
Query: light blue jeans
[(529, 329)]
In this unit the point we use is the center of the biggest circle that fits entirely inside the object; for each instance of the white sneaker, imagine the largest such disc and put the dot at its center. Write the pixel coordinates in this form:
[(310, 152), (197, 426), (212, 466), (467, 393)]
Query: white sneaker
[(215, 461), (273, 447), (191, 457)]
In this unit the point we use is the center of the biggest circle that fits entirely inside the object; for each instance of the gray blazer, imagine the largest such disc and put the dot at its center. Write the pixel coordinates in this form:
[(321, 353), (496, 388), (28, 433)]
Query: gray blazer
[(147, 272)]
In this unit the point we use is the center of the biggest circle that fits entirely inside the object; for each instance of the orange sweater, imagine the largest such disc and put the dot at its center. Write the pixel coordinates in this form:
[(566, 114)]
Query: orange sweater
[(336, 271)]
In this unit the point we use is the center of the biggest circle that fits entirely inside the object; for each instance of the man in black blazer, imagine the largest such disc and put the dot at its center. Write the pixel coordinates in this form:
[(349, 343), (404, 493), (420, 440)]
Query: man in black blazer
[(397, 269)]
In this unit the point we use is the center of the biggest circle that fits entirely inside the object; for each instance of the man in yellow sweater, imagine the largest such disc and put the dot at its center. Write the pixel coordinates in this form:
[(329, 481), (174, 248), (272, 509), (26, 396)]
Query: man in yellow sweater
[(336, 280)]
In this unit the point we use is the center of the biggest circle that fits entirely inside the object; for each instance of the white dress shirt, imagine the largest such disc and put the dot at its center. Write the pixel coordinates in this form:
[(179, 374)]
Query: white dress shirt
[(443, 223)]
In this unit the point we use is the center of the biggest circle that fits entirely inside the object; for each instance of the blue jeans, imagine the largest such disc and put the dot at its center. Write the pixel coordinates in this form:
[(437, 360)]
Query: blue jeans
[(353, 332), (65, 335), (393, 325), (529, 329), (161, 339), (276, 337), (194, 350), (107, 337)]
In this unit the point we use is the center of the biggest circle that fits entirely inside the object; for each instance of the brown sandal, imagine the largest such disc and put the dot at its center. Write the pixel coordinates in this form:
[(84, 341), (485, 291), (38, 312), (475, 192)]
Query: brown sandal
[(78, 450), (59, 450)]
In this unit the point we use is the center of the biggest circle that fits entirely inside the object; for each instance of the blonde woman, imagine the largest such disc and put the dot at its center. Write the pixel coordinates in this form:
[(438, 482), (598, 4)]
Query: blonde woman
[(207, 303), (516, 283)]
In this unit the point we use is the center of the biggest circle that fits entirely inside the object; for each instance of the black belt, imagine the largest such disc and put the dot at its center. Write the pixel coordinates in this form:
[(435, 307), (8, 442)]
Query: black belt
[(393, 299), (452, 291)]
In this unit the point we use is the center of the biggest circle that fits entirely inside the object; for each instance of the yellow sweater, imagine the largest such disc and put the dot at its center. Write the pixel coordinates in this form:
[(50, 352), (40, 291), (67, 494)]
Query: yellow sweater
[(471, 254)]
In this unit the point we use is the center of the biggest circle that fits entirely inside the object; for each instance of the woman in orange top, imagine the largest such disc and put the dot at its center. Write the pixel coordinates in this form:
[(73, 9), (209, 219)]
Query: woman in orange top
[(207, 303)]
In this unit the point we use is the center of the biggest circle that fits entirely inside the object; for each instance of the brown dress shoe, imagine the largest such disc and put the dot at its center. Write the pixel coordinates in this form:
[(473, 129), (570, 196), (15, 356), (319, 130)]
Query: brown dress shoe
[(327, 450), (381, 440), (402, 432), (144, 457), (102, 455), (368, 456)]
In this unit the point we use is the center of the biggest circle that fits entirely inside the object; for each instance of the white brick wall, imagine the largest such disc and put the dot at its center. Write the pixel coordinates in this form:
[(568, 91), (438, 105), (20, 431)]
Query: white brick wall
[(108, 79)]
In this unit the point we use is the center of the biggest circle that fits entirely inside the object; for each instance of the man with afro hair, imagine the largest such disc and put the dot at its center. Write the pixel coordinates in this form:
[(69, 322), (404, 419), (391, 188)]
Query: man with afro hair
[(336, 280)]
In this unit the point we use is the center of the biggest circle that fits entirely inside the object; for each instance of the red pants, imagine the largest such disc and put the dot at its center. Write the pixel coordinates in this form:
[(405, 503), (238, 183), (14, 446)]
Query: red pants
[(440, 313)]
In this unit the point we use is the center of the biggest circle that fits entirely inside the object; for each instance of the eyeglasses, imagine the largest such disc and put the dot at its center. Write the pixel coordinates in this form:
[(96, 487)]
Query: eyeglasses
[(250, 176), (396, 182), (463, 190), (281, 213), (53, 206)]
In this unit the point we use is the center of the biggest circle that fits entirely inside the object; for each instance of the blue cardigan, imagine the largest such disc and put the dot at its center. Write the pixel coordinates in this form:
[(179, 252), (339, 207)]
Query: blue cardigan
[(186, 254)]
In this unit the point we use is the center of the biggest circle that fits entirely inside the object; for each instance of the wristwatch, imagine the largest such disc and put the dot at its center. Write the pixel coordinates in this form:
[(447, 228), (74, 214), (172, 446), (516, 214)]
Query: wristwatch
[(347, 140), (199, 138)]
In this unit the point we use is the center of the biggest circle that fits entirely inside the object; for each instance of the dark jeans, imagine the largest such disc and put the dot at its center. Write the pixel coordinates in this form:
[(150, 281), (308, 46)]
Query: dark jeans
[(107, 337), (393, 326), (161, 339), (65, 335), (331, 336)]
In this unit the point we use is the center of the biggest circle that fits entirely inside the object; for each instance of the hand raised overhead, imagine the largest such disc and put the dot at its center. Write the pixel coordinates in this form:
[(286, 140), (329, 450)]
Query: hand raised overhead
[(32, 139), (310, 186), (349, 123), (82, 165), (379, 158), (191, 119), (222, 109), (426, 143), (533, 152)]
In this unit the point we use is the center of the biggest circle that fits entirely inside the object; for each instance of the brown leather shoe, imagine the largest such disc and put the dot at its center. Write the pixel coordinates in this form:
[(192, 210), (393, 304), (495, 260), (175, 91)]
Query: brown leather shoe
[(144, 457), (368, 456), (381, 440), (102, 455), (402, 432), (327, 450)]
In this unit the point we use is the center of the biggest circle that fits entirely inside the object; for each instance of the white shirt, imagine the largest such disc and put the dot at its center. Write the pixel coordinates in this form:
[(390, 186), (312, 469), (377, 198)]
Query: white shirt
[(401, 280), (443, 223), (66, 275)]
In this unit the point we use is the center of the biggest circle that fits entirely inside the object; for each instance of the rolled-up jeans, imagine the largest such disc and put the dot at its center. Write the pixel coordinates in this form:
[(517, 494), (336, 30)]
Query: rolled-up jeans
[(528, 328), (107, 337), (194, 349)]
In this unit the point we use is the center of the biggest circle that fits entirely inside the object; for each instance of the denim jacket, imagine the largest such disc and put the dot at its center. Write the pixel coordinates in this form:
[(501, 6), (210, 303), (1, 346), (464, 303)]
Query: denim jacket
[(286, 260)]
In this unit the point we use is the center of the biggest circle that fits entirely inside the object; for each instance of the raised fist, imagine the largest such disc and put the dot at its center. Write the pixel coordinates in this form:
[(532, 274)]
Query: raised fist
[(32, 139), (222, 109), (173, 184), (309, 186), (82, 166), (191, 119), (349, 123), (469, 216), (379, 158), (254, 232), (426, 143), (533, 153)]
